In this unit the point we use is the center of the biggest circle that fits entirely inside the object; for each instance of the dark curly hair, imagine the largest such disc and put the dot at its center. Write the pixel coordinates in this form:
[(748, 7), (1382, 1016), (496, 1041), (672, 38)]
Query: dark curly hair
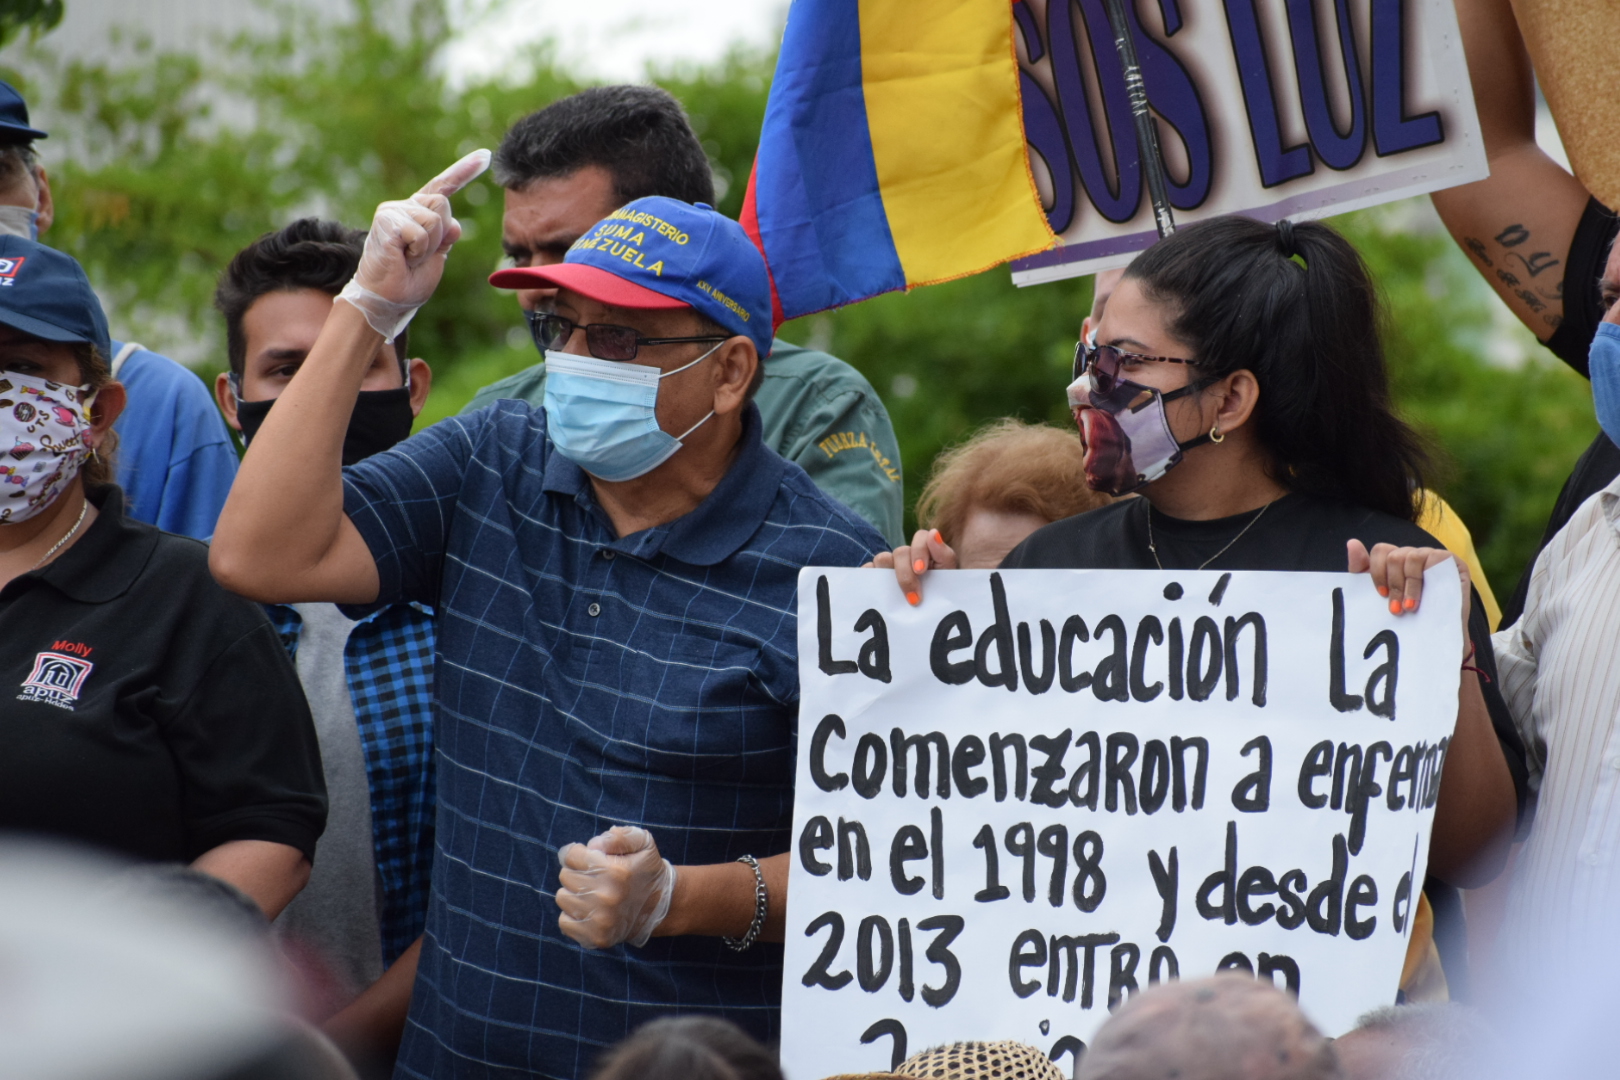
[(639, 134), (308, 254)]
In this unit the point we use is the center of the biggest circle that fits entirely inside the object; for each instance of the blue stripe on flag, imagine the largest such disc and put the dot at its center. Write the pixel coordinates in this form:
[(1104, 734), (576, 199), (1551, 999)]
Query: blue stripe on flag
[(821, 214)]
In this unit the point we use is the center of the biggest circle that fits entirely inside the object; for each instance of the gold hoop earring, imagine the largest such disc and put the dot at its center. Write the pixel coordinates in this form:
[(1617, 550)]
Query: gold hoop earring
[(1216, 434)]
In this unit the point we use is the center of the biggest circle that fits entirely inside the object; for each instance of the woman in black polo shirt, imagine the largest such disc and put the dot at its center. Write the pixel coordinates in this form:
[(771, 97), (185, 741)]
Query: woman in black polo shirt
[(1236, 382), (144, 710)]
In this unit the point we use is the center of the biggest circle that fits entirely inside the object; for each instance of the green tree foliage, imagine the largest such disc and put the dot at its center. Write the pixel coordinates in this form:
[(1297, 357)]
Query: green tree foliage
[(950, 357), (727, 105), (190, 156), (33, 17), (177, 161), (1503, 437)]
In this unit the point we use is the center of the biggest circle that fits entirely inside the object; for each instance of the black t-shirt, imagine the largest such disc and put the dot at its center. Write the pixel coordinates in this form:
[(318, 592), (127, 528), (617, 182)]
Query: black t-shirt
[(1583, 296), (1297, 533), (1571, 343), (146, 710)]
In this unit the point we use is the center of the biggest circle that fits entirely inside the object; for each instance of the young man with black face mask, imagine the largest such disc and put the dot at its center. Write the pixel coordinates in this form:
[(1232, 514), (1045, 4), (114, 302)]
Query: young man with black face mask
[(275, 296), (369, 683)]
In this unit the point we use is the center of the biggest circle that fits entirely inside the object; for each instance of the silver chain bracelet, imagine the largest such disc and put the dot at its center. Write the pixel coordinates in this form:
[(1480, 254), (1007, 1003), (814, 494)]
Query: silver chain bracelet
[(761, 903)]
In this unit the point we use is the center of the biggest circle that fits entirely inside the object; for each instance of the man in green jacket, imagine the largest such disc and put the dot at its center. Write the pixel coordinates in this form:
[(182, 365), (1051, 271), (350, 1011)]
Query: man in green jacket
[(577, 160)]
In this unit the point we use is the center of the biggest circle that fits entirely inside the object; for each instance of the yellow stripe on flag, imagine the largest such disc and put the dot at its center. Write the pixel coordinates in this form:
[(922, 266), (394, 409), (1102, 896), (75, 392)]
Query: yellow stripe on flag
[(942, 105)]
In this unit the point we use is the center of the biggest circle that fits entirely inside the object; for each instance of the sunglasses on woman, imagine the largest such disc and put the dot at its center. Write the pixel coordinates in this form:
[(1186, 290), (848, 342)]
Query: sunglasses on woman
[(1104, 362), (604, 340)]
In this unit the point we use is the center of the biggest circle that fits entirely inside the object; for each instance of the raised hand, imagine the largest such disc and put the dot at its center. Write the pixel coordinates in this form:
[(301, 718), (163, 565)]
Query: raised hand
[(406, 248)]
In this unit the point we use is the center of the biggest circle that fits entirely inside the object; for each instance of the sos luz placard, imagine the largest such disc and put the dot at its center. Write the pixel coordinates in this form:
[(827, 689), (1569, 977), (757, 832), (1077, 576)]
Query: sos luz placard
[(1039, 792), (1269, 108)]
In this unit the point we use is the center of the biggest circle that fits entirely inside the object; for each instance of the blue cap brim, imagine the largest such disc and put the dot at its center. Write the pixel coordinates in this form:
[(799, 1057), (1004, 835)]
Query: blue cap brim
[(20, 131), (41, 329)]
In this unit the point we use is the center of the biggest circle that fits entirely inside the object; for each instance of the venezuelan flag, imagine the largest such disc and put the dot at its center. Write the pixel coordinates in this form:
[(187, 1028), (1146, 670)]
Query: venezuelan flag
[(892, 154)]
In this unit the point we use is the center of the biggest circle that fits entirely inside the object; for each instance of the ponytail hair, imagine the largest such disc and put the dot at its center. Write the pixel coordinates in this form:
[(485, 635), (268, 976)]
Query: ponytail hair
[(1295, 305)]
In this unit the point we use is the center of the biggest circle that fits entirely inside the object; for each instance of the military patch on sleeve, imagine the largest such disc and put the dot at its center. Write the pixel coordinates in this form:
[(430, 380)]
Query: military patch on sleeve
[(839, 442)]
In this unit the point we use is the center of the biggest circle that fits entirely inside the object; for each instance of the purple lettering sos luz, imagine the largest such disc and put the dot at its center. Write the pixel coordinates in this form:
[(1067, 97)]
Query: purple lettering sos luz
[(1068, 137)]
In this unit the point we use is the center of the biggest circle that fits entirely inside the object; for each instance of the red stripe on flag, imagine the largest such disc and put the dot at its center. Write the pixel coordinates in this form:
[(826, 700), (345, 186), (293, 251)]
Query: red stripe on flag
[(749, 218)]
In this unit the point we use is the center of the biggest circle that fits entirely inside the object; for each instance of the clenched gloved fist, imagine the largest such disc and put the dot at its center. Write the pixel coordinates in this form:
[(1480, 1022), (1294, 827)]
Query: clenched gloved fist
[(406, 248), (615, 888)]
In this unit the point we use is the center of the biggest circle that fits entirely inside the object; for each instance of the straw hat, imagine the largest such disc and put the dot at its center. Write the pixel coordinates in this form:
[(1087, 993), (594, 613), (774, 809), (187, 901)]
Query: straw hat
[(1005, 1060), (1575, 46)]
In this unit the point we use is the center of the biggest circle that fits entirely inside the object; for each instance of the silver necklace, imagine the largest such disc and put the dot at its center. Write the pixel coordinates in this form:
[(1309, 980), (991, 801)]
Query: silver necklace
[(83, 510), (1258, 515)]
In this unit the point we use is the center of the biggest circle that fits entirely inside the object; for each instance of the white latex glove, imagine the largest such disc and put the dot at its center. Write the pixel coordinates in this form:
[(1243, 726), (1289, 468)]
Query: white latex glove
[(615, 888), (406, 248)]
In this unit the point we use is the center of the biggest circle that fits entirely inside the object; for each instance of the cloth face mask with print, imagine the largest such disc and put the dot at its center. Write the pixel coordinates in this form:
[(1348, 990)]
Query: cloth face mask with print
[(1127, 435), (603, 414), (42, 444)]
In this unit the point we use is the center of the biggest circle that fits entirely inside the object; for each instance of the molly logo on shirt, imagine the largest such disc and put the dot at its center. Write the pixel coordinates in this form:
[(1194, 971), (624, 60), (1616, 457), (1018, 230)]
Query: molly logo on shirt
[(56, 679)]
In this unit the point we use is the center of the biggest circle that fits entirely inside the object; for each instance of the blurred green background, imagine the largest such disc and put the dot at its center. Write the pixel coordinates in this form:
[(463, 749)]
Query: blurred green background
[(165, 164)]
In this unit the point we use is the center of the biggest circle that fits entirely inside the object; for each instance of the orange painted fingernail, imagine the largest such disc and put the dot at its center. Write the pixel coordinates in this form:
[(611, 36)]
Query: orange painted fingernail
[(938, 537), (1394, 607), (913, 599), (920, 566), (1410, 604), (1383, 590)]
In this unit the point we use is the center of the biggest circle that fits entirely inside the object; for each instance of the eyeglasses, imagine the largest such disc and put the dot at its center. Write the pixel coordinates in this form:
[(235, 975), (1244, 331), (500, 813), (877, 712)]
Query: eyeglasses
[(604, 340), (1105, 361)]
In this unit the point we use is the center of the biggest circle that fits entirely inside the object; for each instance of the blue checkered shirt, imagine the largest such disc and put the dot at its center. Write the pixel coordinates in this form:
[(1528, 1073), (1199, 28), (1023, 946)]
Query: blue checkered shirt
[(389, 661), (585, 680)]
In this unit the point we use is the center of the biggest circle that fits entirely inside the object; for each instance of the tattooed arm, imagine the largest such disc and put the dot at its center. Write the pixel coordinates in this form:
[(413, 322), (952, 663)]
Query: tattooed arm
[(1516, 226)]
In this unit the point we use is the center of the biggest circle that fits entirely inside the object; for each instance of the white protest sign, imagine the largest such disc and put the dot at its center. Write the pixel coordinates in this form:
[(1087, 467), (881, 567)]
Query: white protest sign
[(1039, 791), (1270, 108)]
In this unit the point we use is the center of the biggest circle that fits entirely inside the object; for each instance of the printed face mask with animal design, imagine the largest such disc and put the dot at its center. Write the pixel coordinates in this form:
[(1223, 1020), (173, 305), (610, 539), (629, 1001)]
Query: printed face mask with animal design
[(42, 442)]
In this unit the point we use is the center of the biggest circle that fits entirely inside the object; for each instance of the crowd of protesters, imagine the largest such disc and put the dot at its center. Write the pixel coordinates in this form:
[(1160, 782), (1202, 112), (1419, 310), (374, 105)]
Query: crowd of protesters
[(495, 724)]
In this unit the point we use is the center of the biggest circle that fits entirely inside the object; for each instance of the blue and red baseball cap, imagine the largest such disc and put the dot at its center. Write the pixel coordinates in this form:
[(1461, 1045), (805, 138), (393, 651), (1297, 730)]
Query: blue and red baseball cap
[(45, 293), (661, 254)]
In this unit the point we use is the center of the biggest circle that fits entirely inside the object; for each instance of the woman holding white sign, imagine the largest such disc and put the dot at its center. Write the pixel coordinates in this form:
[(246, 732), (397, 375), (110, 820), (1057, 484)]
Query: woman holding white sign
[(1236, 382)]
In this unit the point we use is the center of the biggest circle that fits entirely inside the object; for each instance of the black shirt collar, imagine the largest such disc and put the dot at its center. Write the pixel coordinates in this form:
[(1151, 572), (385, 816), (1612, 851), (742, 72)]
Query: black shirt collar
[(104, 562)]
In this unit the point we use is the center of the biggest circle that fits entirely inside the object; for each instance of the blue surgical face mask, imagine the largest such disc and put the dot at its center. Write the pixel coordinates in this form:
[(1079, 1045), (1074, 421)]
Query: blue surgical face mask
[(1604, 363), (19, 221), (602, 414)]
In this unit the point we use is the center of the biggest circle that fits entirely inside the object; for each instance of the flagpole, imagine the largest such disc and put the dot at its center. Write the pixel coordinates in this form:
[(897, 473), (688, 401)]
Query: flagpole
[(1147, 135)]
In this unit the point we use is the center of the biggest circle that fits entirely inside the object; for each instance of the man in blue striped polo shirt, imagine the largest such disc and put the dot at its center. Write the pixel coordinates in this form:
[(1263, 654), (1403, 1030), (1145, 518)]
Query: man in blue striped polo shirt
[(615, 578)]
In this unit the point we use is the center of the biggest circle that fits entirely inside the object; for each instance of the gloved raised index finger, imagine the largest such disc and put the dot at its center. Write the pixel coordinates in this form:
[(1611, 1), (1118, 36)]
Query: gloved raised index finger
[(458, 175)]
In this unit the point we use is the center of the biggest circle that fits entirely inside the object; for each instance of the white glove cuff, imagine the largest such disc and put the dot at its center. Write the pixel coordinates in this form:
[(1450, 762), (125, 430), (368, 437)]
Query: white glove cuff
[(667, 887), (385, 316)]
